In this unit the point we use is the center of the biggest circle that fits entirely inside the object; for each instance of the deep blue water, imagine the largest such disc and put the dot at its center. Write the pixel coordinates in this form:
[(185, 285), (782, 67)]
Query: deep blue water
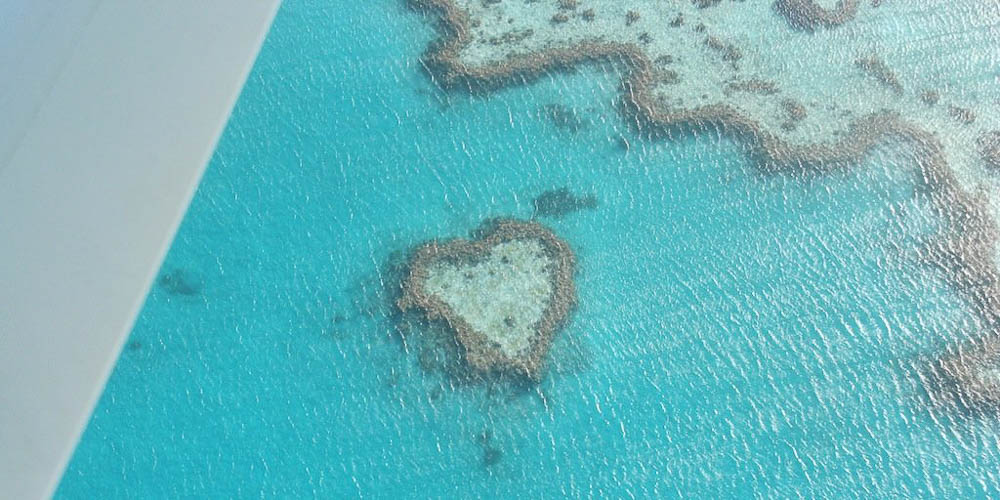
[(738, 333)]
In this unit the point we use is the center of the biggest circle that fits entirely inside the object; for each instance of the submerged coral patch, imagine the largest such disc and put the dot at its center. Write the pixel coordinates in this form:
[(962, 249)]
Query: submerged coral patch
[(560, 202), (179, 282), (989, 148), (564, 117), (809, 15), (504, 294), (875, 67)]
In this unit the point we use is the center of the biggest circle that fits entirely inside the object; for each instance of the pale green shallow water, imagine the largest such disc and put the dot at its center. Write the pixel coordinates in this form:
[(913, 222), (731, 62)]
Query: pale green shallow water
[(738, 333)]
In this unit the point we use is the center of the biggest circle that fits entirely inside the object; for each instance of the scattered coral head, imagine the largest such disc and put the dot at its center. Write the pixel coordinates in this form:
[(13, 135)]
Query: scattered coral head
[(989, 148), (808, 15)]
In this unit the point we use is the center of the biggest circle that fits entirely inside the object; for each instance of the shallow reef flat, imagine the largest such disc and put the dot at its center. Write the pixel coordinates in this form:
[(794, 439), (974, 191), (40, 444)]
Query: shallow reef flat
[(807, 84), (803, 94), (504, 294)]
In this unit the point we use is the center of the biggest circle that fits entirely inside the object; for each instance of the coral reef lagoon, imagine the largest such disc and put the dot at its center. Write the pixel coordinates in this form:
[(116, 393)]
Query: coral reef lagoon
[(504, 295)]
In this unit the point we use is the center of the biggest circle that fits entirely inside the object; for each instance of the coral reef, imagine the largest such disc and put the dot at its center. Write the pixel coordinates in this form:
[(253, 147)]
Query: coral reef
[(491, 453), (972, 376), (791, 141), (511, 37), (564, 117), (753, 86), (808, 15), (504, 294), (179, 282), (964, 115), (704, 4), (989, 148), (930, 97), (730, 52), (631, 17), (795, 111), (875, 67), (560, 202)]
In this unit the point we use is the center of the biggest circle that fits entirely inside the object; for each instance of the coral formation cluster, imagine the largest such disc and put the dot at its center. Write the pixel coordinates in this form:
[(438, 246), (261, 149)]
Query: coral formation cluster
[(504, 294), (807, 14), (701, 79)]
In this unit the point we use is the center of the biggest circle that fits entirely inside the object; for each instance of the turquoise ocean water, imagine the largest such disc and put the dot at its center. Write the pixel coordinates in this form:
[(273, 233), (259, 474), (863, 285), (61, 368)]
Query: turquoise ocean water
[(738, 333)]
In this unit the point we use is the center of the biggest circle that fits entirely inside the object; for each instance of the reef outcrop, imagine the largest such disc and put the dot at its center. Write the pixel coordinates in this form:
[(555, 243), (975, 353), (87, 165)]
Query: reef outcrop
[(809, 15), (561, 202), (504, 294)]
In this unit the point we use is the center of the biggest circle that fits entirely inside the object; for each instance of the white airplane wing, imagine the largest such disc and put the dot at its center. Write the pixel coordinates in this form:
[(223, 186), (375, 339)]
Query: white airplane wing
[(109, 111)]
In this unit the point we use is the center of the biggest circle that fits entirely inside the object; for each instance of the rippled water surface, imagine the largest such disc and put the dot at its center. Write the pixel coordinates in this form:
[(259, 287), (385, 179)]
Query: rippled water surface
[(738, 333)]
